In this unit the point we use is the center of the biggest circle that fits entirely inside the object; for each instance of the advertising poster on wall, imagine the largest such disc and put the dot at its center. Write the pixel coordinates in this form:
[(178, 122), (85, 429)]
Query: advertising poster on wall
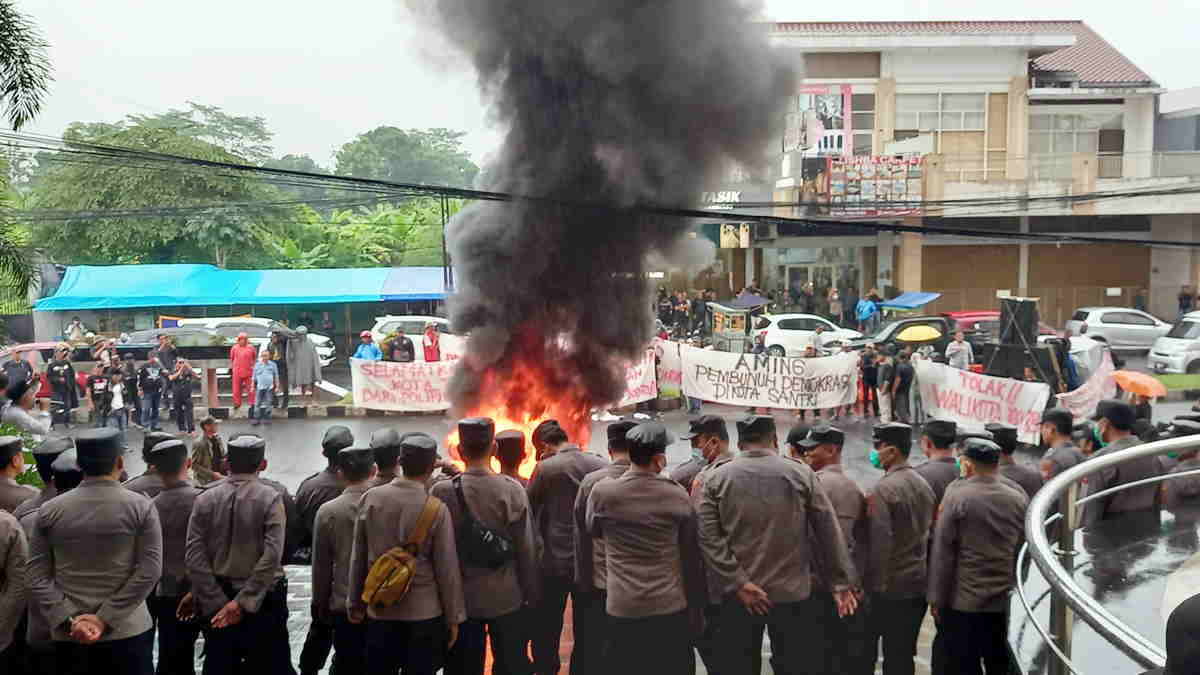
[(863, 186)]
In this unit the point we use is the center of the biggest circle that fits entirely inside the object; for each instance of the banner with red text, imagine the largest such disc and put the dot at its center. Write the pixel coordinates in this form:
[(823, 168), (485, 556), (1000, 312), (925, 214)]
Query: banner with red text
[(1101, 385), (670, 368), (972, 399), (640, 381), (763, 381)]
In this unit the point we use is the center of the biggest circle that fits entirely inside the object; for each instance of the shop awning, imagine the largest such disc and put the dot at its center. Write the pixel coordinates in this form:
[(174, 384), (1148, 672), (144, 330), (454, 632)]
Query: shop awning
[(136, 286), (911, 300)]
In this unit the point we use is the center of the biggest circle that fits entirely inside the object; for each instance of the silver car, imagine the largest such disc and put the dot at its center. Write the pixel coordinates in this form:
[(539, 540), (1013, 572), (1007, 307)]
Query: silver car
[(1121, 327)]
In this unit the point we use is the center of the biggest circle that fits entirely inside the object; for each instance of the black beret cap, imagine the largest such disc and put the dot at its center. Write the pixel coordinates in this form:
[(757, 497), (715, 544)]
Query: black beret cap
[(821, 434), (1119, 413), (756, 425), (705, 424), (336, 437), (649, 436), (1004, 435), (7, 441), (98, 444), (418, 445), (359, 459), (385, 438), (894, 433), (1181, 427), (168, 450), (940, 428), (511, 443), (476, 431), (981, 450), (797, 433), (54, 446), (1058, 416), (152, 439), (66, 462), (617, 431), (247, 448)]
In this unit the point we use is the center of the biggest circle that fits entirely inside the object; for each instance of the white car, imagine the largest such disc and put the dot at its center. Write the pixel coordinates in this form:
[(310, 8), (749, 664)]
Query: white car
[(790, 334), (1179, 350), (411, 326), (258, 332), (1121, 327)]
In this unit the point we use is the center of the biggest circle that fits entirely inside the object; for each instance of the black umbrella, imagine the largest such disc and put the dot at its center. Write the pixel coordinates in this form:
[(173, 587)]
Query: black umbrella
[(748, 300)]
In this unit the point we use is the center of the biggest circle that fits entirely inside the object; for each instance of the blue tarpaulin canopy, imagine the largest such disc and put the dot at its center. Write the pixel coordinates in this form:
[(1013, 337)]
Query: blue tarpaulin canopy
[(133, 286), (911, 300)]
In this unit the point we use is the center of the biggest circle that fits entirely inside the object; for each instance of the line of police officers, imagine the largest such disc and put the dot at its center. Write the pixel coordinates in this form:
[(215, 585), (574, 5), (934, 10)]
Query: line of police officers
[(730, 546)]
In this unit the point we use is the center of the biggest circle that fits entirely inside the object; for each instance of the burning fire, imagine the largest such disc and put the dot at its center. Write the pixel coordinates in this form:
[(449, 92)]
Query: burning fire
[(520, 394)]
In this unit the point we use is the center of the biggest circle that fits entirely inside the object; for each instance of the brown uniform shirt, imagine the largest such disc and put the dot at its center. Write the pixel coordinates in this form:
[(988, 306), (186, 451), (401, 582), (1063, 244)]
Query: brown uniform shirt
[(294, 530), (313, 492), (236, 535), (939, 473), (1029, 479), (552, 492), (1141, 498), (975, 546), (652, 553), (34, 503), (386, 517), (500, 504), (13, 552), (899, 514), (96, 549), (685, 473), (333, 540), (148, 484), (715, 597), (1183, 491), (850, 506), (755, 516), (1062, 457), (38, 632), (13, 494), (383, 478), (590, 570), (174, 506)]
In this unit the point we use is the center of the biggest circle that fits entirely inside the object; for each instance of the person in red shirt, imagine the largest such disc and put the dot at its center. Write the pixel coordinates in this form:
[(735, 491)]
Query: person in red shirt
[(241, 367), (433, 349)]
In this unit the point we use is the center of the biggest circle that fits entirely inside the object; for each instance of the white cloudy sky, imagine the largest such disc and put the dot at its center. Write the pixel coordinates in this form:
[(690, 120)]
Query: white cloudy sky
[(322, 72)]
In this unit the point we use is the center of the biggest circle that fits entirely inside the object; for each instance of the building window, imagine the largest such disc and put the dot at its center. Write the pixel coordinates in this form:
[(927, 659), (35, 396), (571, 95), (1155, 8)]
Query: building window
[(917, 113), (862, 122), (1054, 137)]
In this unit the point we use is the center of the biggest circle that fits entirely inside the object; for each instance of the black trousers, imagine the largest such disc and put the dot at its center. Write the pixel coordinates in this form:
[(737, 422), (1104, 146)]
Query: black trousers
[(870, 399), (709, 644), (257, 645), (897, 622), (349, 646), (185, 417), (128, 656), (975, 642), (548, 624), (789, 624), (652, 645), (507, 634), (281, 401), (408, 647), (844, 643), (317, 645), (176, 639), (590, 625)]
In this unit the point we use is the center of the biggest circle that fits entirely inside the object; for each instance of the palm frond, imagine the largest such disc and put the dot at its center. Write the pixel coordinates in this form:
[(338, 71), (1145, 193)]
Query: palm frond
[(25, 73)]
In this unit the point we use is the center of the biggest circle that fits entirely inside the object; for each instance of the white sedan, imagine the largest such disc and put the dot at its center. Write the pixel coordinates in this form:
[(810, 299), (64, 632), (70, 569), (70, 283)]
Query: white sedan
[(790, 334)]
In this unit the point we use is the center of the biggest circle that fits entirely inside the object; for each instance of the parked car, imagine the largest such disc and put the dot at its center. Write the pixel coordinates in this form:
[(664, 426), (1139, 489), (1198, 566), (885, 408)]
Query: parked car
[(886, 335), (789, 334), (1120, 327), (983, 326), (1179, 350), (184, 336), (258, 332), (412, 326)]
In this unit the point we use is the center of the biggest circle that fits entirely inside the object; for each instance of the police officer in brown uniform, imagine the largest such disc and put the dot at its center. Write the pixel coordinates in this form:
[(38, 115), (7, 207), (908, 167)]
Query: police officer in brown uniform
[(44, 455), (699, 432), (655, 580), (149, 483), (552, 492), (1028, 478), (940, 469), (846, 639), (234, 551), (756, 516), (899, 515), (12, 464), (1061, 453), (14, 550), (510, 452), (1182, 495), (95, 556), (1115, 420), (497, 580), (591, 575), (385, 444), (333, 541), (972, 568), (412, 635), (176, 637), (714, 447)]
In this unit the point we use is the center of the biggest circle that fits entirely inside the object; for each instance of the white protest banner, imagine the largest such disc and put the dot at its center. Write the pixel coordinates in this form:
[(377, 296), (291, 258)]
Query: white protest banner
[(972, 400), (386, 385), (453, 346), (759, 380), (640, 382), (1101, 385), (670, 368)]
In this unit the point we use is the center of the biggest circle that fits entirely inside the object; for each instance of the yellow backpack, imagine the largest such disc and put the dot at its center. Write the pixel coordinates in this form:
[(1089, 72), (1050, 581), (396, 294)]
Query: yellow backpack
[(392, 573)]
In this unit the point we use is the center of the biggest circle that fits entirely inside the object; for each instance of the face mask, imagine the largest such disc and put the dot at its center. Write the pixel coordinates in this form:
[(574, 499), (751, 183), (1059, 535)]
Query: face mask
[(958, 464), (873, 458), (1098, 437)]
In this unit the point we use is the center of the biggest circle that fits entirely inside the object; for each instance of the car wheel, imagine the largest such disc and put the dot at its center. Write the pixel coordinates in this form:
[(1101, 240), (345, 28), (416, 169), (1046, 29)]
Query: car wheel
[(776, 350)]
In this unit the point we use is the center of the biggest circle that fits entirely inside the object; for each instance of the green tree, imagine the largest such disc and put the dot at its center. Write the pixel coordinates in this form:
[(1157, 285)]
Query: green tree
[(311, 193), (430, 156), (24, 67)]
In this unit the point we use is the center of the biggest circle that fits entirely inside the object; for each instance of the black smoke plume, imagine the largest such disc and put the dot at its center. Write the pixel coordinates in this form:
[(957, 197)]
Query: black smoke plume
[(618, 103)]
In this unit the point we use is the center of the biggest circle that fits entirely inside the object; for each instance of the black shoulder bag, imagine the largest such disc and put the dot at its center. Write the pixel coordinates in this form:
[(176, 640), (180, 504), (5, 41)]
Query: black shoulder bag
[(478, 544)]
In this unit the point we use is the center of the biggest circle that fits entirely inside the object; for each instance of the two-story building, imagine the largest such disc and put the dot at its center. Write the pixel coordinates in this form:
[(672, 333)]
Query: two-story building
[(1007, 126)]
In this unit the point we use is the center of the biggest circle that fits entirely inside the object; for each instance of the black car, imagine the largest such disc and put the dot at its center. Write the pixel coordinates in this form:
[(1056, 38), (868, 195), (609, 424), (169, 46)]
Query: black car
[(886, 335)]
